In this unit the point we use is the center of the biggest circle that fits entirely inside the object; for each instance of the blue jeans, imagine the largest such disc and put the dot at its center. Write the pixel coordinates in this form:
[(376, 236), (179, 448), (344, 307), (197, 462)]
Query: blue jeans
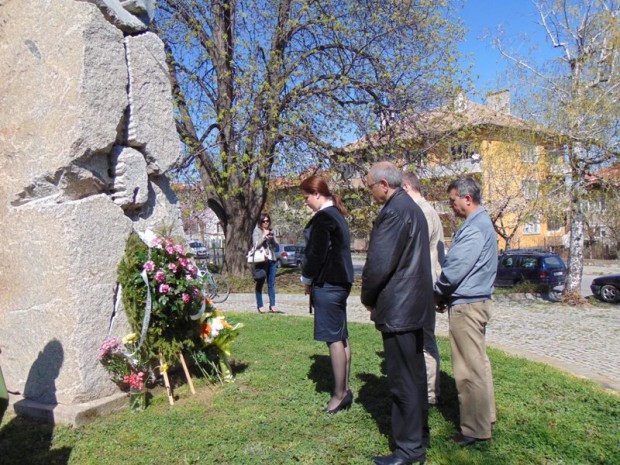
[(270, 270)]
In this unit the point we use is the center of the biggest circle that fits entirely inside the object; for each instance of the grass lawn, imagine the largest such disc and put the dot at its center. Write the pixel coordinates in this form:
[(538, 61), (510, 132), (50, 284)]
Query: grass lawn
[(272, 414)]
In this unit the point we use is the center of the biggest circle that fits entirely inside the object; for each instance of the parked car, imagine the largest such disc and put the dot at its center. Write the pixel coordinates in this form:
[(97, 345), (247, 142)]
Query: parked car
[(198, 249), (607, 288), (285, 255), (300, 254), (535, 266)]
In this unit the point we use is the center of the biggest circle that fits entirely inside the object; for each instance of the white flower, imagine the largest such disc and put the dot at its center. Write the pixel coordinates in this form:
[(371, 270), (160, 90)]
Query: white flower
[(148, 237)]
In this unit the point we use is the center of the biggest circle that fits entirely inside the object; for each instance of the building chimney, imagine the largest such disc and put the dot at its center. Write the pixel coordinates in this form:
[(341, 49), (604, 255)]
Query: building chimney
[(460, 103), (499, 101)]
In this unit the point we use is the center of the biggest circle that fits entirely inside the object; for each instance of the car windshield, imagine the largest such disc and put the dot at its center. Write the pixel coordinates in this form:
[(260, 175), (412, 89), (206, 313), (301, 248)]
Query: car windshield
[(289, 248), (553, 261), (196, 244)]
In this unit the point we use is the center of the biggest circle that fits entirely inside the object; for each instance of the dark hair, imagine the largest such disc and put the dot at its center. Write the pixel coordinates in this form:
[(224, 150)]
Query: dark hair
[(413, 181), (263, 216), (466, 185), (316, 184)]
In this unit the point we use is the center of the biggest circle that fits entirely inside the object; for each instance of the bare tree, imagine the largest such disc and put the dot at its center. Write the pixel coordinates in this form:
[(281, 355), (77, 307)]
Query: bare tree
[(264, 86), (576, 94)]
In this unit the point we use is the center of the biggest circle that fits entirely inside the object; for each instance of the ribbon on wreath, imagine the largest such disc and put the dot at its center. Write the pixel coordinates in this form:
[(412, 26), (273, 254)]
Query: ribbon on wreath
[(203, 307)]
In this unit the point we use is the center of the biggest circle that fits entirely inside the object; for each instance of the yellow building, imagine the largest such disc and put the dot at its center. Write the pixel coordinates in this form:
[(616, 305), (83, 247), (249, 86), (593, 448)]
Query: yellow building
[(518, 167)]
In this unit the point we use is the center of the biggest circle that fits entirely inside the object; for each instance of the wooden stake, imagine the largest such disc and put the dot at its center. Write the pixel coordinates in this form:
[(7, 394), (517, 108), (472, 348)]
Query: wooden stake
[(166, 381), (187, 375)]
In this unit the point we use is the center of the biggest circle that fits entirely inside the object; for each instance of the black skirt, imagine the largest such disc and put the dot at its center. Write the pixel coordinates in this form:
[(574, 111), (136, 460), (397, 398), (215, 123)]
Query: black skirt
[(330, 311)]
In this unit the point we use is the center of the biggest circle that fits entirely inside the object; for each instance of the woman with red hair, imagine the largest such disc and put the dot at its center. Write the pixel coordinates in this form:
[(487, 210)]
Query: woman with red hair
[(327, 274)]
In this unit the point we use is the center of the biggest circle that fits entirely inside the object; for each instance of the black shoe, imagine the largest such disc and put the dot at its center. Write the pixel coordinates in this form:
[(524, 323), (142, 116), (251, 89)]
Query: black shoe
[(465, 441), (344, 404), (392, 460)]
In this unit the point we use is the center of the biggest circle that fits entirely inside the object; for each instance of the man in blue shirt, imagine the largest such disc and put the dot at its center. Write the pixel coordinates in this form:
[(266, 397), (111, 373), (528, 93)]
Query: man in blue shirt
[(465, 287)]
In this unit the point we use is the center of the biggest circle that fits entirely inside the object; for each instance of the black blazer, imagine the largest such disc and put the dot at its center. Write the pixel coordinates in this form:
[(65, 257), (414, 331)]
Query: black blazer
[(328, 248)]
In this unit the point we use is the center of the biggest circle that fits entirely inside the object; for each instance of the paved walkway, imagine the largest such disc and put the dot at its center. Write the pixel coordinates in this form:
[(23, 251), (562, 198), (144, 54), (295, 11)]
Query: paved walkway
[(582, 340)]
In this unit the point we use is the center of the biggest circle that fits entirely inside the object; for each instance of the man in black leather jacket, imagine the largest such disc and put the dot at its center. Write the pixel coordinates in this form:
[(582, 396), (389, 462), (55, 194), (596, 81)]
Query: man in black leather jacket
[(397, 288)]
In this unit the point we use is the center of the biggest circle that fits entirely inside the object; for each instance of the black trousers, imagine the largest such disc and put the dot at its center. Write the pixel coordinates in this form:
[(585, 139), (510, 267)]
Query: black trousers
[(406, 374)]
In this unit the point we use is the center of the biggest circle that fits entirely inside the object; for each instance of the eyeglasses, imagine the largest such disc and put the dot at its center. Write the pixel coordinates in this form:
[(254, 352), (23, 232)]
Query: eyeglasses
[(370, 186), (266, 221)]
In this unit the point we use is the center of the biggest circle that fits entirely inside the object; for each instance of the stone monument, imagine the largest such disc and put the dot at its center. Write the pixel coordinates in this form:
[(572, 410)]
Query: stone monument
[(86, 135)]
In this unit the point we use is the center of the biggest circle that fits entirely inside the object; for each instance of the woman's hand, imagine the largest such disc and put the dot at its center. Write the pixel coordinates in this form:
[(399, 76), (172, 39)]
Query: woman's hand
[(306, 289)]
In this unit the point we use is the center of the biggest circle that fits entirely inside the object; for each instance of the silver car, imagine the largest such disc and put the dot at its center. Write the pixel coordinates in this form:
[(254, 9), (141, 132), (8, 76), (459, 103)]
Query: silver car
[(198, 249), (285, 255)]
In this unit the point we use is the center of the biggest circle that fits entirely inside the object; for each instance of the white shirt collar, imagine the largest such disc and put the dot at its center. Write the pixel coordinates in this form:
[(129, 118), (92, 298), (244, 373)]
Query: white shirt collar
[(328, 203)]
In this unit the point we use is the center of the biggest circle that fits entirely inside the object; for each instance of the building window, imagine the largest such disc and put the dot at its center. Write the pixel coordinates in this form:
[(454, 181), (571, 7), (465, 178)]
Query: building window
[(530, 189), (529, 153), (463, 151), (532, 228), (554, 225)]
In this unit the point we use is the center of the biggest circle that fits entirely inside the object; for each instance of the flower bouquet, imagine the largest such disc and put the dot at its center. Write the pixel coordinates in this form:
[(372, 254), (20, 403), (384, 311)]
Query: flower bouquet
[(128, 369), (165, 303), (162, 295), (217, 335)]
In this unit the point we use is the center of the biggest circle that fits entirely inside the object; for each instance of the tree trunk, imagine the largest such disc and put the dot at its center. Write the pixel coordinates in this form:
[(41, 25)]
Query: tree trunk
[(575, 255), (239, 224)]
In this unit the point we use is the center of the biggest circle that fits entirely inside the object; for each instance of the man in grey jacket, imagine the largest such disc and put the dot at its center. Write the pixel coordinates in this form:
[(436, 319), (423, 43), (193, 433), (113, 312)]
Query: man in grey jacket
[(397, 289), (465, 287)]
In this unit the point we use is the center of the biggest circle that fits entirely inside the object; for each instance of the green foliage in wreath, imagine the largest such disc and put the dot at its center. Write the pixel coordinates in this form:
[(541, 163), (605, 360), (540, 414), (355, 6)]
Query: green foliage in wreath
[(175, 294)]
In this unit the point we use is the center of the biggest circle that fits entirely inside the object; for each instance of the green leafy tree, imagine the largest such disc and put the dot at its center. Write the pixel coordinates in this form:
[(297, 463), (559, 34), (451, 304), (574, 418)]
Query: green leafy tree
[(265, 87), (575, 94)]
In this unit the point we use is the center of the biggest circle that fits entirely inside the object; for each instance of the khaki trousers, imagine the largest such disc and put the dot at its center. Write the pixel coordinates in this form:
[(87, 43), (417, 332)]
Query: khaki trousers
[(472, 369), (431, 359)]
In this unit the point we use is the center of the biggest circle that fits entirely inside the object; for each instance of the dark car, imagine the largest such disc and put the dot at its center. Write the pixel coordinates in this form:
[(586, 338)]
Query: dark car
[(539, 267), (607, 288), (285, 255)]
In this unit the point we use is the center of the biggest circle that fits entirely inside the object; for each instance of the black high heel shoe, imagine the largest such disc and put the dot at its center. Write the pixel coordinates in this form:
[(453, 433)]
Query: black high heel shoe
[(344, 404)]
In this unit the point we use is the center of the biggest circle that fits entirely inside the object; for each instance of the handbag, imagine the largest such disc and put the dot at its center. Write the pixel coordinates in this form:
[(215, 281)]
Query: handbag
[(259, 255), (259, 273)]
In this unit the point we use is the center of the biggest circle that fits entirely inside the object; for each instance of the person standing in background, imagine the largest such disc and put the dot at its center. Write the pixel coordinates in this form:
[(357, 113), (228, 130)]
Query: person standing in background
[(397, 288), (411, 184), (327, 275), (465, 286), (263, 237)]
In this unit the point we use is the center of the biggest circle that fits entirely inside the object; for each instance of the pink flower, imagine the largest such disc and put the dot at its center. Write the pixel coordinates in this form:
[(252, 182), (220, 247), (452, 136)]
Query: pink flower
[(111, 346), (169, 243), (160, 276), (157, 243), (179, 249), (188, 277), (170, 249), (135, 381), (149, 265), (164, 288), (184, 262), (172, 267), (196, 292), (186, 298)]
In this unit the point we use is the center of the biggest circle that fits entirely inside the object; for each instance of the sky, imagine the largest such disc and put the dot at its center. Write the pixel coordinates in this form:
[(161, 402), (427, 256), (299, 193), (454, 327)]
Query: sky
[(483, 19)]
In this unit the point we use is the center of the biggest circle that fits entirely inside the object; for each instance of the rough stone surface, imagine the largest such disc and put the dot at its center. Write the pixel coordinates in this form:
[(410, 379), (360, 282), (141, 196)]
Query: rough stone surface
[(58, 297), (70, 196), (151, 122), (130, 188), (119, 15), (63, 98)]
